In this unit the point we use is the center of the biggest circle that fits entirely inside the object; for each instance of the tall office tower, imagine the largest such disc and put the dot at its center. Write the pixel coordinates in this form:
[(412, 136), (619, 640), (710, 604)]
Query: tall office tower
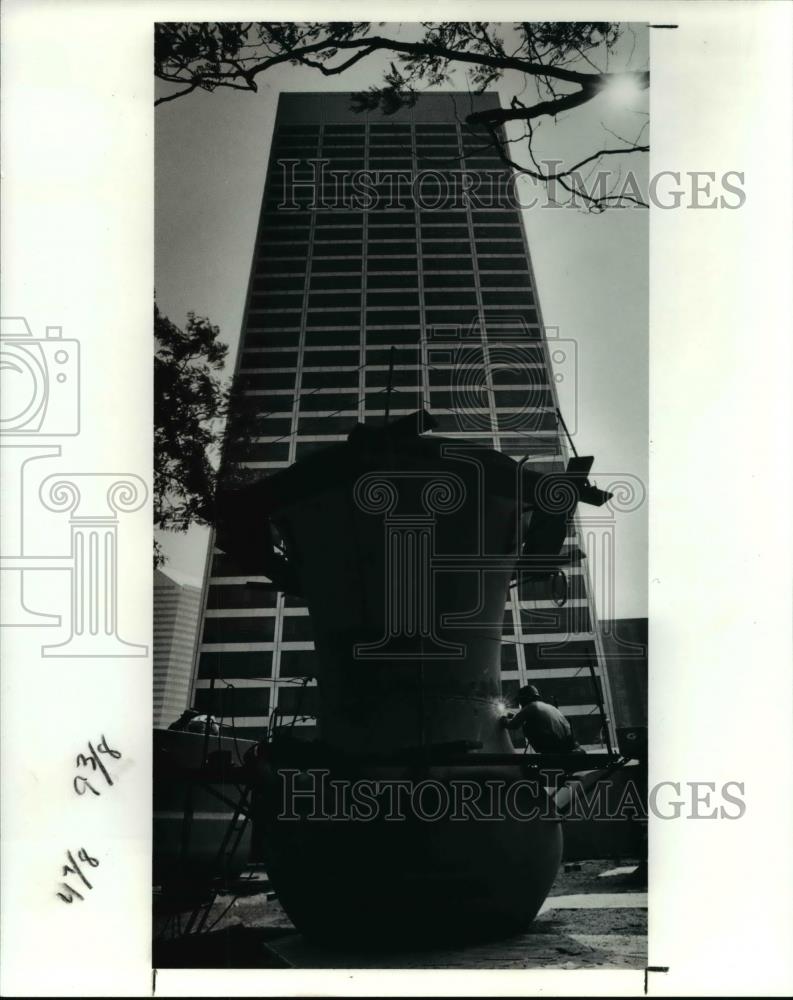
[(378, 232), (177, 610)]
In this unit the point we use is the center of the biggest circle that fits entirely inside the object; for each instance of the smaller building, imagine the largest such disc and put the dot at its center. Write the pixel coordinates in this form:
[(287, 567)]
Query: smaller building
[(176, 615), (625, 649)]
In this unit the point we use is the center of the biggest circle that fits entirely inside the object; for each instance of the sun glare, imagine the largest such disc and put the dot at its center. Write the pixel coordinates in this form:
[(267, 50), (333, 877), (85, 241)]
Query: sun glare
[(622, 90)]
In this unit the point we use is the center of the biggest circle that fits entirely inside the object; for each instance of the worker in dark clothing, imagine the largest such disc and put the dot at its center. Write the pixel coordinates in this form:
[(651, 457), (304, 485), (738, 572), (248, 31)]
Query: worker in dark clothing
[(544, 726)]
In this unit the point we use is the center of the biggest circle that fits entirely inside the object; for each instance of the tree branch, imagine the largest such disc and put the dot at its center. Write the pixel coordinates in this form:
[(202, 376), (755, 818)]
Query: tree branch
[(498, 116), (374, 43), (561, 176), (179, 93), (334, 71), (208, 56)]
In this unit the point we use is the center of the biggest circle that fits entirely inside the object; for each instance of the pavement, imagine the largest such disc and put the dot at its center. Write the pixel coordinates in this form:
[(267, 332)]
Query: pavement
[(595, 917)]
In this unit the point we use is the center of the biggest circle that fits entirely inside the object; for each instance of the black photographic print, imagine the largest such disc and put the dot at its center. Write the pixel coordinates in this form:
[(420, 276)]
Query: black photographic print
[(401, 493), (395, 490)]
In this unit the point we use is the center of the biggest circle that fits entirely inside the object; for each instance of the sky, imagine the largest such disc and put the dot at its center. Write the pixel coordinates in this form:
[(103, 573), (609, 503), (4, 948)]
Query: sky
[(591, 270)]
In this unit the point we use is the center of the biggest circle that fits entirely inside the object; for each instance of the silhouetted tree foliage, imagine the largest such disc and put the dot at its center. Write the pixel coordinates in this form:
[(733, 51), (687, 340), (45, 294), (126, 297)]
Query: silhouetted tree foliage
[(190, 402), (560, 66), (202, 429)]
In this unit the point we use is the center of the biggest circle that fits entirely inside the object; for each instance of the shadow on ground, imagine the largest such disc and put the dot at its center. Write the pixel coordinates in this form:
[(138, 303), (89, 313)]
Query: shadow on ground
[(594, 917)]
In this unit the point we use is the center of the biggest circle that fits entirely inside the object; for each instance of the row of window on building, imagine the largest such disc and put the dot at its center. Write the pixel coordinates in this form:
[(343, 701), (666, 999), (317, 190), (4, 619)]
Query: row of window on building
[(250, 711)]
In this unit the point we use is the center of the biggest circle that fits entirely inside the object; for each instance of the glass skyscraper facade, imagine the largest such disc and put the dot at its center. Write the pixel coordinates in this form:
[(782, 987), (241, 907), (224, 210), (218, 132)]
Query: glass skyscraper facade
[(176, 615), (389, 239)]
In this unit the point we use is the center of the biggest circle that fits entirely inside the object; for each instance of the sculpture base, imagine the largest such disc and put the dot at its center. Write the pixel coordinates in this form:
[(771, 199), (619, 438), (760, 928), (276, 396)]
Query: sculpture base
[(450, 854)]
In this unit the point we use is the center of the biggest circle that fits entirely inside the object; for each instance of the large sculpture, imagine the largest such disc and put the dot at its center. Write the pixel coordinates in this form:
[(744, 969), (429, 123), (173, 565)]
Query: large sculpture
[(403, 546)]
